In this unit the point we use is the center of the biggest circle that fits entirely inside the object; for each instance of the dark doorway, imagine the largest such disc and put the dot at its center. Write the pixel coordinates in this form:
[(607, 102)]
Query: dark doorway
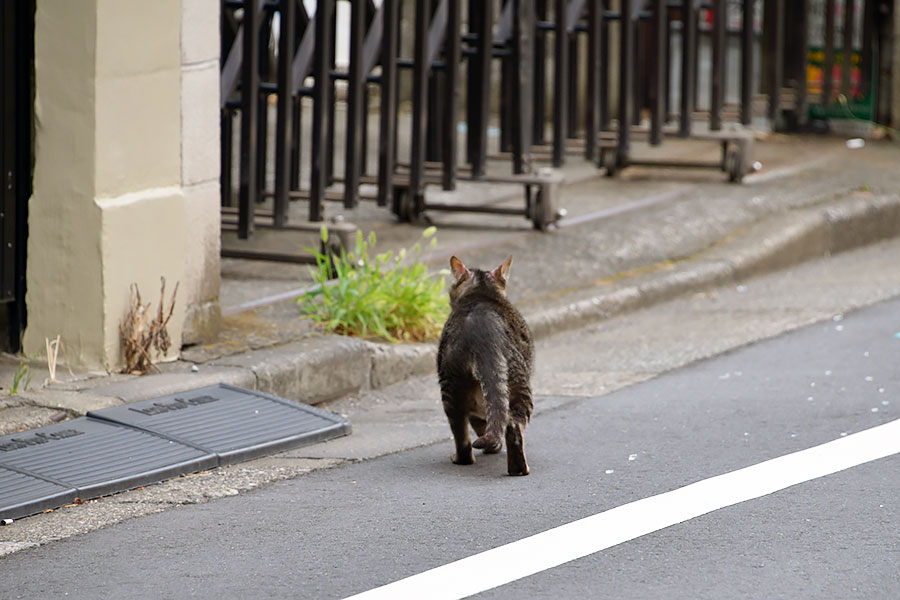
[(16, 160)]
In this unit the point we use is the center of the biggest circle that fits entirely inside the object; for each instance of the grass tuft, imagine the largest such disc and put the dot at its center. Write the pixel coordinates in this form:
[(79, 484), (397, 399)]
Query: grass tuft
[(383, 295)]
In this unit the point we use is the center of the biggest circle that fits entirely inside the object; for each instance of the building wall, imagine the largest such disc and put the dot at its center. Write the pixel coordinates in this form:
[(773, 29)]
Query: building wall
[(200, 165), (125, 167)]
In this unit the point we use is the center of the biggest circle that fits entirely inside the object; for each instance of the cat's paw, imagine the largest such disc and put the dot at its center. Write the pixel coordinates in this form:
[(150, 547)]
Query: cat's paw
[(465, 459), (490, 445), (518, 470)]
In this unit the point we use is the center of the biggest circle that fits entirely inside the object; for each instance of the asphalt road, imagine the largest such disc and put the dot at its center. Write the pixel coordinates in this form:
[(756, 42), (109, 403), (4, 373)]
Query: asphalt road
[(349, 529)]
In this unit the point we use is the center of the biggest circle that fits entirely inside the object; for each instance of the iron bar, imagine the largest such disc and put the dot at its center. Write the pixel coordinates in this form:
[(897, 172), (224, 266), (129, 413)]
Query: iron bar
[(331, 122), (604, 68), (321, 108), (561, 90), (476, 208), (296, 136), (451, 112), (481, 19), (226, 141), (626, 72), (248, 185), (828, 61), (776, 60), (355, 110), (868, 48), (388, 111), (420, 100), (523, 52), (658, 74), (540, 58), (847, 48), (284, 117), (719, 54), (572, 82), (747, 63), (592, 100), (688, 64)]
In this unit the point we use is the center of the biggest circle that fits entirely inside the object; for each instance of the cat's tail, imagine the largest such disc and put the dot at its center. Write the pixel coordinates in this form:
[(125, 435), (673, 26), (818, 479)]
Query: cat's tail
[(493, 377)]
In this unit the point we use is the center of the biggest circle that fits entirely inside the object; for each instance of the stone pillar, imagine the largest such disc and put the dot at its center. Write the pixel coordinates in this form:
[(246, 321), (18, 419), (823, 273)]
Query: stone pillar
[(200, 158), (112, 203)]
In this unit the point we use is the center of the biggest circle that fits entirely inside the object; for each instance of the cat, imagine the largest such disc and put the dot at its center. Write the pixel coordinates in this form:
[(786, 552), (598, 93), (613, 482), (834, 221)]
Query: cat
[(484, 362)]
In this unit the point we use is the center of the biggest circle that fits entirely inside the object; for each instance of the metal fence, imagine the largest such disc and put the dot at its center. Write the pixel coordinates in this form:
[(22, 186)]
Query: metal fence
[(571, 78)]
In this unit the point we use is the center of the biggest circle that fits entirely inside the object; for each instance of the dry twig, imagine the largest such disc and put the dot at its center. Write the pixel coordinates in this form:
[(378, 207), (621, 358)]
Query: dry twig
[(141, 331)]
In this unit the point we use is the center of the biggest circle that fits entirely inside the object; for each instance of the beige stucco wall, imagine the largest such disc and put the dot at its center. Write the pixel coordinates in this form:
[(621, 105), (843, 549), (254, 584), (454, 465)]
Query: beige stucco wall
[(200, 166), (112, 205), (64, 254)]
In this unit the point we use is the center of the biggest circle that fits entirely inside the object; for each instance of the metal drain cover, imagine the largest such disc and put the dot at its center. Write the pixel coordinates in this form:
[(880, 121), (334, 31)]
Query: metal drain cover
[(98, 458), (22, 494), (234, 423)]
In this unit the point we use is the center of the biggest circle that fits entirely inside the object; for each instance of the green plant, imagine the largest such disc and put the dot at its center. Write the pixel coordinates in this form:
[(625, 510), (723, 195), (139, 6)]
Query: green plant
[(20, 377), (394, 297)]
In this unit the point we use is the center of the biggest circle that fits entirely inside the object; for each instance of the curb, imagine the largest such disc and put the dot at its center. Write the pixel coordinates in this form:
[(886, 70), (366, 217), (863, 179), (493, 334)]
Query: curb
[(773, 243), (322, 368)]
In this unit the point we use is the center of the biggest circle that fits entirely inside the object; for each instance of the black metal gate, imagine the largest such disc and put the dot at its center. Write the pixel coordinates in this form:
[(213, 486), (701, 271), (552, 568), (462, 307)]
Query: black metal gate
[(16, 73), (551, 65)]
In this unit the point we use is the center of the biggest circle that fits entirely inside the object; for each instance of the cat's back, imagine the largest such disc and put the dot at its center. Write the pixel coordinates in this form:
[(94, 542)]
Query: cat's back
[(488, 322)]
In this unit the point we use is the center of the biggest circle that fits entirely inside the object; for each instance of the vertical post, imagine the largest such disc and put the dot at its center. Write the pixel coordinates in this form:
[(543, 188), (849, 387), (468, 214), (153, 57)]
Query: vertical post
[(508, 83), (592, 108), (540, 58), (828, 63), (639, 80), (388, 115), (437, 88), (747, 63), (802, 6), (719, 50), (658, 77), (284, 117), (453, 55), (626, 73), (354, 150), (481, 15), (604, 68), (847, 48), (561, 90), (523, 59), (572, 82), (420, 99), (868, 50), (226, 140), (668, 69), (331, 122), (688, 65), (321, 107), (262, 126), (776, 61), (249, 186), (296, 136)]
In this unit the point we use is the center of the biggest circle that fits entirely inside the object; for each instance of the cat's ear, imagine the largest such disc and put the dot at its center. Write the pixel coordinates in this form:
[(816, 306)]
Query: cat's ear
[(459, 270), (501, 273)]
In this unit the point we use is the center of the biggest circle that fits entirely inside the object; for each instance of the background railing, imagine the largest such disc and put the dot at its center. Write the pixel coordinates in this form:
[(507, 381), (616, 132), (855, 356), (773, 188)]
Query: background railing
[(320, 89)]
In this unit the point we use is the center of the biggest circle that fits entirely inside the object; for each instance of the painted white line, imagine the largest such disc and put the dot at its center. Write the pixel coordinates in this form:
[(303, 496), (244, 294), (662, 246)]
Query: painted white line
[(586, 536)]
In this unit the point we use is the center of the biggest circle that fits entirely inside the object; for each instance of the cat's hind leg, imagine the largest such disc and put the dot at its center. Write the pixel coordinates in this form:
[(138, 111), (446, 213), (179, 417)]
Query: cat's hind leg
[(454, 399), (478, 420), (493, 385), (515, 450), (520, 407)]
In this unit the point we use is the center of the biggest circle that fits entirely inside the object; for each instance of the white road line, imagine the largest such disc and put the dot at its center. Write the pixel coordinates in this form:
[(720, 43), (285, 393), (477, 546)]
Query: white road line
[(574, 540)]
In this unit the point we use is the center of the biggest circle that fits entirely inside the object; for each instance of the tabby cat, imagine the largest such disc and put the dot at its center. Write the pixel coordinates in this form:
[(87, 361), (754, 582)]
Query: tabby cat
[(484, 362)]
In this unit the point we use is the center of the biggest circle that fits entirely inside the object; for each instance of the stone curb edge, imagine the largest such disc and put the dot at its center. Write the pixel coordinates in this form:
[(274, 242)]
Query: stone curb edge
[(323, 368)]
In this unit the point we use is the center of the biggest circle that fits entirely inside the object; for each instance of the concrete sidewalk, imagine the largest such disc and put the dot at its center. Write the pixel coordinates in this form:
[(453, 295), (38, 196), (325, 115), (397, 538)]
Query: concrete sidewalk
[(643, 237)]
